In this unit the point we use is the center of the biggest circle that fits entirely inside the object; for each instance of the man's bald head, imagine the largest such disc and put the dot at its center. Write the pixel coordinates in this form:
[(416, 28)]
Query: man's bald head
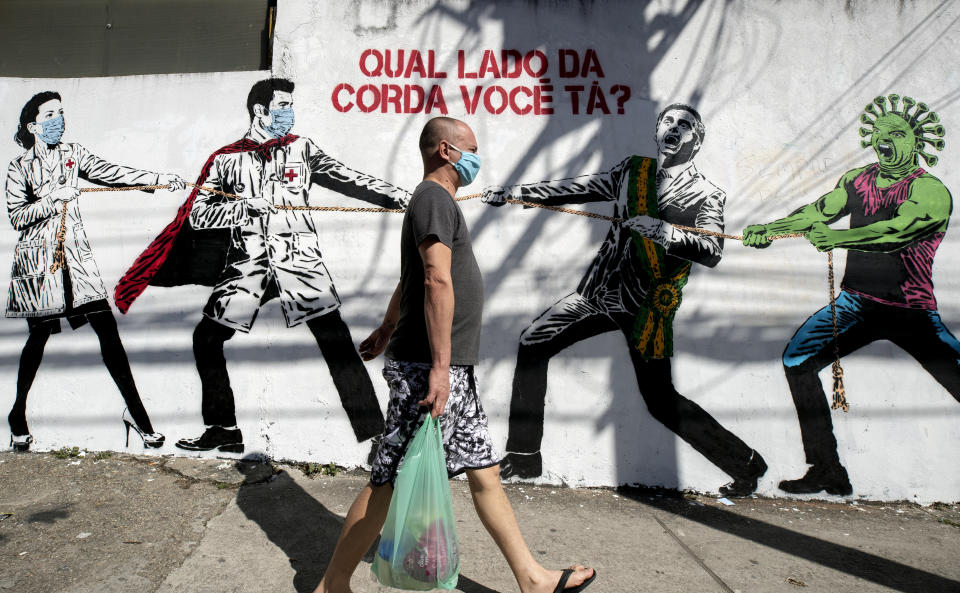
[(443, 142), (437, 129)]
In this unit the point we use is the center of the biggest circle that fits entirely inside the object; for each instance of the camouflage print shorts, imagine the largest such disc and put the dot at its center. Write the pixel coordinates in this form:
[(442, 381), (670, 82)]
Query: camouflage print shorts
[(466, 440)]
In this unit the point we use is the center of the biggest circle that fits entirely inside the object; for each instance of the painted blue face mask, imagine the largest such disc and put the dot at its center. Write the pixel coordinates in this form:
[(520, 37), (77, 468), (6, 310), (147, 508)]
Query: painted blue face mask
[(468, 165), (52, 130), (281, 122)]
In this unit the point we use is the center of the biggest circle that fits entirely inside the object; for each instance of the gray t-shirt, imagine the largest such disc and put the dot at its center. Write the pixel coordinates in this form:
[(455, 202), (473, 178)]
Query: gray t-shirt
[(432, 211)]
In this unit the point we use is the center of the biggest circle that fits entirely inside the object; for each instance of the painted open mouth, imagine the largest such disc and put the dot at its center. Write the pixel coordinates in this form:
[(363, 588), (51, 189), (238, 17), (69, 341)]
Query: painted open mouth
[(884, 149), (671, 140)]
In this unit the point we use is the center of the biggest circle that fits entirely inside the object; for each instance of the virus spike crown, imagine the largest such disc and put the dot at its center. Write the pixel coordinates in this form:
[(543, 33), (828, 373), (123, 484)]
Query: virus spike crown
[(932, 118), (893, 102), (923, 122), (921, 109), (931, 159), (880, 102)]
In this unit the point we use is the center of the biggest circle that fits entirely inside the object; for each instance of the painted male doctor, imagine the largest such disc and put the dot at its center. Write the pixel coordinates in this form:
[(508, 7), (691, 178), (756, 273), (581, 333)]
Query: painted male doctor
[(274, 253)]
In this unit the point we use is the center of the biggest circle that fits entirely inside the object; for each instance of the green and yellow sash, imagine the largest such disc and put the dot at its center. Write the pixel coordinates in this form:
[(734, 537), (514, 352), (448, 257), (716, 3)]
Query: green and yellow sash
[(652, 331)]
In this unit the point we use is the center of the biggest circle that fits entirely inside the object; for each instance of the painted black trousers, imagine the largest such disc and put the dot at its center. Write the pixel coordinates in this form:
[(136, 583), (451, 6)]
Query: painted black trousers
[(114, 358), (860, 321), (350, 377), (573, 319)]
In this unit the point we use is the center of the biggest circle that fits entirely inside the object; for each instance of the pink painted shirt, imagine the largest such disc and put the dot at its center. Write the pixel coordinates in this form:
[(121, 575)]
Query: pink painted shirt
[(901, 278)]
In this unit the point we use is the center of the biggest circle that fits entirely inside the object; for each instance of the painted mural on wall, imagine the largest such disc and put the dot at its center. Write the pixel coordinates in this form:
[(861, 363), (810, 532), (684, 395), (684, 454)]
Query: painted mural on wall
[(241, 232), (250, 213), (634, 286), (898, 216), (54, 275), (246, 246)]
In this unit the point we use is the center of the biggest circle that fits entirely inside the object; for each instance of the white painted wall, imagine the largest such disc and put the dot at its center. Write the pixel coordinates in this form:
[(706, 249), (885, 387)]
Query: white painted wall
[(780, 86)]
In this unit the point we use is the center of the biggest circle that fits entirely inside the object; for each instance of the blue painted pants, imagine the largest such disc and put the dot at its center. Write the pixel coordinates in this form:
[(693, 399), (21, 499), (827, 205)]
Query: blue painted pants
[(921, 333)]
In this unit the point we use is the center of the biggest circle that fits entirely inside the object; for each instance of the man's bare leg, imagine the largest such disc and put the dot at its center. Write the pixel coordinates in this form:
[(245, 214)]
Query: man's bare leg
[(497, 517), (360, 529)]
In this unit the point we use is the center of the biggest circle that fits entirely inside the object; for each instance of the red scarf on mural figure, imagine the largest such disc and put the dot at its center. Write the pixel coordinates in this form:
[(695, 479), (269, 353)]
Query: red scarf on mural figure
[(201, 252)]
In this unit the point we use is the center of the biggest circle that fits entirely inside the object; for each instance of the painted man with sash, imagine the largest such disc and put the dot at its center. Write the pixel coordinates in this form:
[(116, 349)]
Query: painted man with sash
[(634, 285)]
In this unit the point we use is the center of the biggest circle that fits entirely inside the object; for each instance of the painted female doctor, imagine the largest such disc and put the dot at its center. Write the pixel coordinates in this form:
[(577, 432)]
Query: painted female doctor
[(40, 184)]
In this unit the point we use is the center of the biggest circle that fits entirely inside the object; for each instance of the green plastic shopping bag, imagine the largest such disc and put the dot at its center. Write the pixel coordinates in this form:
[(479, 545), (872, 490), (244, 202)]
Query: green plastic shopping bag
[(418, 546)]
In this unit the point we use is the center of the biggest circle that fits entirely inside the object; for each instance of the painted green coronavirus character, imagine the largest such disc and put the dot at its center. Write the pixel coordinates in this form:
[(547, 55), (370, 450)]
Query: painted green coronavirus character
[(898, 215)]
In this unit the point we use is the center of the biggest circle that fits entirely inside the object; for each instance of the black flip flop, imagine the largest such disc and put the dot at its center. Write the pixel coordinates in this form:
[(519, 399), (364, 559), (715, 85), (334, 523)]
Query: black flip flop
[(565, 576)]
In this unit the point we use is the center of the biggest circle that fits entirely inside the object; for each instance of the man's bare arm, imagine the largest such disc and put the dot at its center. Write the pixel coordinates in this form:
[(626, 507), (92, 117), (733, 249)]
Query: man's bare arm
[(438, 305)]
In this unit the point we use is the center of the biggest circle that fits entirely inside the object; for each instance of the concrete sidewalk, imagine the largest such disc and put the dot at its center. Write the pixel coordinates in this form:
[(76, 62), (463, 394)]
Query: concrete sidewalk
[(112, 523)]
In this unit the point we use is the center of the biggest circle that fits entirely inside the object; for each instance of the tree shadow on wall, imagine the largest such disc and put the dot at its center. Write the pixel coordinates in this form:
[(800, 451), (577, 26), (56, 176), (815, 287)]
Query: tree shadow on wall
[(655, 36), (645, 451)]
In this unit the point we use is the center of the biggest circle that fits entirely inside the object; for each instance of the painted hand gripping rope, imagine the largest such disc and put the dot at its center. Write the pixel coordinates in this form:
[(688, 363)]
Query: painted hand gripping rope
[(839, 393)]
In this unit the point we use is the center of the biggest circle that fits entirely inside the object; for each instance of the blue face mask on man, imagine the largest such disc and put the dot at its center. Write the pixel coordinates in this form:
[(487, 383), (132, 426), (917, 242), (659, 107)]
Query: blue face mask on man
[(467, 166), (52, 130), (281, 122)]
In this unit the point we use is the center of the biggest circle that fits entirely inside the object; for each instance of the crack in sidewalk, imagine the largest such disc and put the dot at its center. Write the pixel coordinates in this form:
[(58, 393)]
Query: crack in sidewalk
[(161, 466), (693, 555), (203, 534)]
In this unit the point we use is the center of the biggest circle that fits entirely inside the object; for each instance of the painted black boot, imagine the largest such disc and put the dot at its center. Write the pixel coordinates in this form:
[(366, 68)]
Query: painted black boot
[(831, 479), (521, 465)]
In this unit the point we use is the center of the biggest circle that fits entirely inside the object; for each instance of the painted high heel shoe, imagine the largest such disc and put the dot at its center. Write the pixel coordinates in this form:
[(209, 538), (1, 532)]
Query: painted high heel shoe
[(152, 440), (21, 442)]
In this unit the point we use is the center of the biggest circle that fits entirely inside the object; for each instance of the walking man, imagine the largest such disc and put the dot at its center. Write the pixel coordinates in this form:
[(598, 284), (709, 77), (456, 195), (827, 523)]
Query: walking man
[(273, 253), (898, 216), (633, 285), (431, 334)]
